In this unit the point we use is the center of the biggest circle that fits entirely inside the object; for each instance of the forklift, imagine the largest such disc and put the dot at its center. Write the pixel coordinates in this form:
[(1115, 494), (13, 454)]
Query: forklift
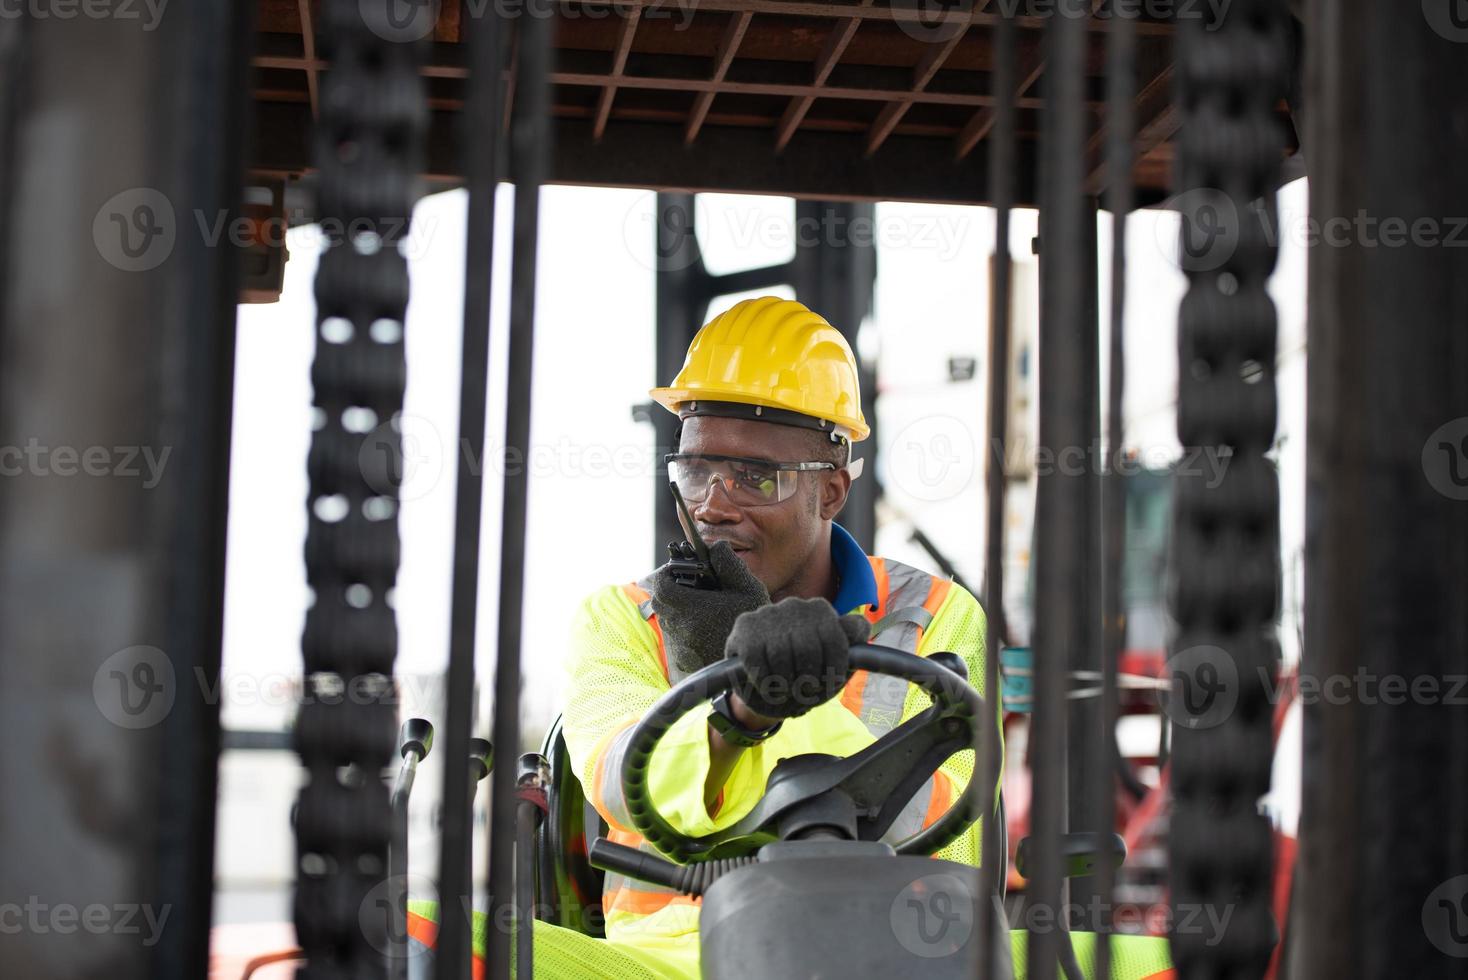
[(124, 140)]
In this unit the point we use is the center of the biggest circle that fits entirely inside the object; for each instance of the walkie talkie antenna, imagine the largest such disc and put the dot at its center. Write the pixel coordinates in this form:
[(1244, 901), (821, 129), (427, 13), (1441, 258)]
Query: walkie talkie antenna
[(688, 560), (700, 549)]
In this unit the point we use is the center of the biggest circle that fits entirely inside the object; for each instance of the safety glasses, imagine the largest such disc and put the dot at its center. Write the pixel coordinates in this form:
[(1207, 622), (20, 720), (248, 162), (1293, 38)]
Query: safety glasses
[(749, 482)]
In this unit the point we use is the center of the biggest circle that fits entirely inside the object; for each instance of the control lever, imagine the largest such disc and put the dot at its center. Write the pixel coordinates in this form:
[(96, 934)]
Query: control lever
[(415, 741), (481, 762)]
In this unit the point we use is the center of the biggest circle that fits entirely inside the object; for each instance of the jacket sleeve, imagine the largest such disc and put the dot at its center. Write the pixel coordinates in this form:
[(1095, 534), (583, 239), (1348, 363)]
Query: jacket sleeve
[(612, 678)]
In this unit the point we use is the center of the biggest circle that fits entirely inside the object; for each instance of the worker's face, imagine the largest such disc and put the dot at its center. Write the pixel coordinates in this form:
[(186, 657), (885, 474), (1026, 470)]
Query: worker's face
[(774, 540)]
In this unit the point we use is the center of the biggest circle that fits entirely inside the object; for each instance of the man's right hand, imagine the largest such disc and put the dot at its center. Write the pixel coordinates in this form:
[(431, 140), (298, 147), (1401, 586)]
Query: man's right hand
[(696, 622)]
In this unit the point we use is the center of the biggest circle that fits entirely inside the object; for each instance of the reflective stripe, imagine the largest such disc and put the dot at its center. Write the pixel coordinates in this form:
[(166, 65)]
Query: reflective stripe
[(912, 614), (606, 778), (914, 597), (642, 599), (623, 894), (422, 929)]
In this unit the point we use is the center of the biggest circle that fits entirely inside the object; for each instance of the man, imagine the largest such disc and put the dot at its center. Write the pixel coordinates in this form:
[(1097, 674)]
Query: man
[(769, 406)]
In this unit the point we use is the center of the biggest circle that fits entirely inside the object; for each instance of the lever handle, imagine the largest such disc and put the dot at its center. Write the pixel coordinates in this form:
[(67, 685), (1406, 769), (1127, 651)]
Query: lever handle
[(416, 736)]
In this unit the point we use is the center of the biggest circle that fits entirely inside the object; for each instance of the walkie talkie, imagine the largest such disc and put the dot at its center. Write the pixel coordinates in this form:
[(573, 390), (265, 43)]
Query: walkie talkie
[(688, 561)]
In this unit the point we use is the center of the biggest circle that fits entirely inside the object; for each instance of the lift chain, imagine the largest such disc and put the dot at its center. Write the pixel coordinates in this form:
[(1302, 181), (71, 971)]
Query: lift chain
[(368, 148), (1226, 577)]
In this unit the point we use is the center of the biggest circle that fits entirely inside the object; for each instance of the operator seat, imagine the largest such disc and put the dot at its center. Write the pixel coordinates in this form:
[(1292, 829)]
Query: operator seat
[(568, 889)]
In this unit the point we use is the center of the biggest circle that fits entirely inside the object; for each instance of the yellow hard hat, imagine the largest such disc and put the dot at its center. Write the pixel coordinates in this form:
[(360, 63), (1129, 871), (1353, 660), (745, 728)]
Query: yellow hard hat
[(778, 360)]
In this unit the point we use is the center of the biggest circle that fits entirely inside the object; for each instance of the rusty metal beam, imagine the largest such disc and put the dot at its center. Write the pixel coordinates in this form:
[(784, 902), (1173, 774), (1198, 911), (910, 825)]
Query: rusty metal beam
[(1032, 66), (619, 65), (1153, 104), (917, 14), (831, 52), (728, 46), (308, 49), (922, 74), (723, 86)]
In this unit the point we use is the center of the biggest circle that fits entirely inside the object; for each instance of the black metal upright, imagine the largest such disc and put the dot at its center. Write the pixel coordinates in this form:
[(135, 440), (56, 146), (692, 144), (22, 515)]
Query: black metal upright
[(1086, 742), (835, 276), (1382, 887), (682, 300), (993, 859), (530, 150), (1061, 518), (1120, 124), (116, 379), (480, 139)]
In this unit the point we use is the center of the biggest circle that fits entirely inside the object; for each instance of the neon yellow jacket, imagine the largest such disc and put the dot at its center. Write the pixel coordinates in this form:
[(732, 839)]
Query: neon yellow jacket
[(617, 669)]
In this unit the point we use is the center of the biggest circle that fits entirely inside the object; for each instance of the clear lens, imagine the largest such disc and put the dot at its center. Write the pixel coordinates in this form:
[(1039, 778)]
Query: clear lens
[(747, 483)]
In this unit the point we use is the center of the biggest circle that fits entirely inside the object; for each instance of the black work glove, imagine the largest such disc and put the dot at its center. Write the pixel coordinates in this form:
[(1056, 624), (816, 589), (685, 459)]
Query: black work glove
[(794, 655), (696, 622)]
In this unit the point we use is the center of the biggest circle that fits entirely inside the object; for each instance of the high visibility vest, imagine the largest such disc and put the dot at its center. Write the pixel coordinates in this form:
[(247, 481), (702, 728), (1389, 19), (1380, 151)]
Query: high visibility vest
[(914, 598)]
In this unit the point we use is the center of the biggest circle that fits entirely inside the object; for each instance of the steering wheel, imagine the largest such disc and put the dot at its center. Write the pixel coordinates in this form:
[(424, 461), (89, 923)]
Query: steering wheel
[(879, 780)]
